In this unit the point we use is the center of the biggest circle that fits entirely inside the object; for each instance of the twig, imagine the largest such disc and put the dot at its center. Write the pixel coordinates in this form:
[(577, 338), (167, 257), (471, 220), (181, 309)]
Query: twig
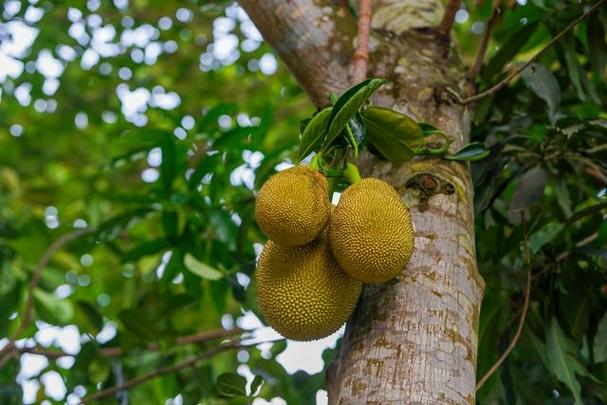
[(482, 47), (201, 337), (525, 240), (7, 350), (518, 71), (360, 60), (446, 23), (514, 341), (191, 362), (521, 322)]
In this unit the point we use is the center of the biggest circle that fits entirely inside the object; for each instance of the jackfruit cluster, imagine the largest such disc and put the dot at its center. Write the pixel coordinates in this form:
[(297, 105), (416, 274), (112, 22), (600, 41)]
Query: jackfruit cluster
[(311, 270)]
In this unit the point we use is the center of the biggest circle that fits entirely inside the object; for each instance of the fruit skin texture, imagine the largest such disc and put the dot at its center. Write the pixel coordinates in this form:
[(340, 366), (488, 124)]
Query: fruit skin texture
[(303, 293), (293, 206), (371, 233)]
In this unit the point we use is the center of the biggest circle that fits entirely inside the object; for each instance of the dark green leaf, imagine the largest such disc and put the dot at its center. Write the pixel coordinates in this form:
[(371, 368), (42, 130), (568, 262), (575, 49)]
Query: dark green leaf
[(312, 136), (201, 269), (170, 223), (471, 152), (168, 168), (207, 165), (357, 126), (596, 44), (398, 125), (146, 249), (137, 322), (543, 83), (256, 385), (92, 315), (210, 118), (231, 385), (98, 370), (7, 230), (573, 67), (530, 191), (53, 309), (562, 363), (428, 129), (303, 124), (392, 148), (599, 348), (543, 236), (347, 105), (507, 51)]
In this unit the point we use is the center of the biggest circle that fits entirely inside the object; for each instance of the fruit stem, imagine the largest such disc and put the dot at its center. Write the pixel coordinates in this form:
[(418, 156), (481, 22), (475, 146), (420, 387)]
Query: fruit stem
[(315, 163), (351, 173), (352, 141)]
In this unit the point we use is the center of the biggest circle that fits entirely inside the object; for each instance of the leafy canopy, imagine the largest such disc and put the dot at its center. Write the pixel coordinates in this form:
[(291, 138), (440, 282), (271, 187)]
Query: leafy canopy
[(151, 123)]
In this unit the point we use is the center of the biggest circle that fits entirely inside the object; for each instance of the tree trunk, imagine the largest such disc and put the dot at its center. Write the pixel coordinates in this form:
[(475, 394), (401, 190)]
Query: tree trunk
[(413, 340)]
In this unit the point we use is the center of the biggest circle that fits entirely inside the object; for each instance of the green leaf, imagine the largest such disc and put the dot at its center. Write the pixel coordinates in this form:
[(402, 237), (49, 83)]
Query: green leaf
[(311, 137), (278, 347), (542, 82), (55, 310), (256, 385), (391, 132), (599, 348), (357, 126), (92, 315), (212, 115), (561, 360), (137, 322), (428, 129), (471, 152), (507, 51), (201, 269), (146, 248), (347, 105), (529, 191), (596, 44), (98, 370), (543, 236), (207, 165), (231, 385), (168, 168), (170, 223), (399, 125)]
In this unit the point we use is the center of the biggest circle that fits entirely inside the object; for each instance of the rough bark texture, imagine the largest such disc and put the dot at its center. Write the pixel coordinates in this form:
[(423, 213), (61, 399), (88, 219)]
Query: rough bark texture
[(413, 340)]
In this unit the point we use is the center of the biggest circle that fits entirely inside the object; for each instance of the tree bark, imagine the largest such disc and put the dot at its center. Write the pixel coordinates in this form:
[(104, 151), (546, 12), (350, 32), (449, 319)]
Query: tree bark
[(413, 340)]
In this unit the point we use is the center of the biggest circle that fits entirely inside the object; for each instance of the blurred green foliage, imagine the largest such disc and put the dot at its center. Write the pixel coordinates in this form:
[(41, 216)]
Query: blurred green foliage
[(158, 143)]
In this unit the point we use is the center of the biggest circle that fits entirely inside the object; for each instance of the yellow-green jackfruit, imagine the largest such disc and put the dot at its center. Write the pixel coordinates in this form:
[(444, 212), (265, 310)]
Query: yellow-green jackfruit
[(303, 293), (293, 206), (371, 233)]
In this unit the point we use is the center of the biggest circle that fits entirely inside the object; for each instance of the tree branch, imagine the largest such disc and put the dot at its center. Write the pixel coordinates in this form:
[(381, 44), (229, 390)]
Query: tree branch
[(191, 362), (482, 47), (201, 337), (360, 60), (6, 351), (446, 23), (313, 38), (514, 341), (516, 72)]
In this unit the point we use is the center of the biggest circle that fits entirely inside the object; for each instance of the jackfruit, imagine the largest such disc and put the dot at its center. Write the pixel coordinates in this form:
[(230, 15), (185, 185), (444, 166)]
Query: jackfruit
[(303, 293), (371, 233), (293, 206)]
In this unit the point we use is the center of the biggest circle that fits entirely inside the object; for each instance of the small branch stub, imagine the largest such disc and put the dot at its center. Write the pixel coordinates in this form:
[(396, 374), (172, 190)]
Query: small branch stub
[(360, 60)]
